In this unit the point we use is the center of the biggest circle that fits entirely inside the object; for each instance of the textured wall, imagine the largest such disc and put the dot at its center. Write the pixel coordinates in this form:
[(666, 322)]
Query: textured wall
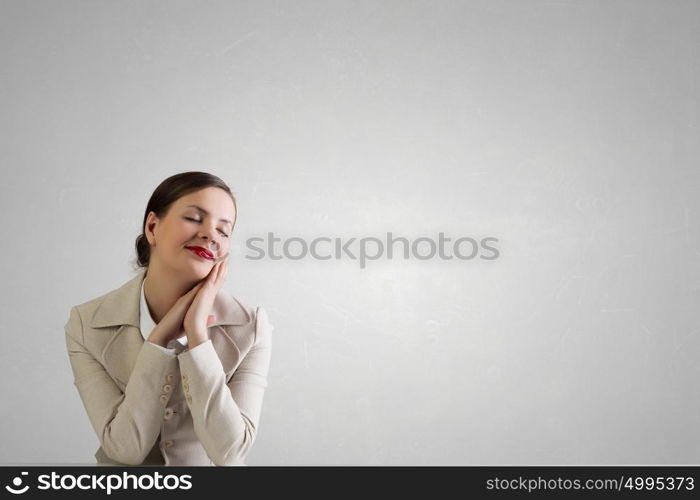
[(567, 130)]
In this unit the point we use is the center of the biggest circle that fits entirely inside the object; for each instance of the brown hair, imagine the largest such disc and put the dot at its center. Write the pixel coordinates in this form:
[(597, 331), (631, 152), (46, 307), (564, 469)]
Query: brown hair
[(169, 191)]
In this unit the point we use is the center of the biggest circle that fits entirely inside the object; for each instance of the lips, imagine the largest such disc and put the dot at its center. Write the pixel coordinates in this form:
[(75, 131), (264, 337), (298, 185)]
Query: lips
[(202, 252)]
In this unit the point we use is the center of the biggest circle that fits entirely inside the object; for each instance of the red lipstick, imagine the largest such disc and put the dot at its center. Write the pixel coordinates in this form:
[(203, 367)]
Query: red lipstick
[(202, 252)]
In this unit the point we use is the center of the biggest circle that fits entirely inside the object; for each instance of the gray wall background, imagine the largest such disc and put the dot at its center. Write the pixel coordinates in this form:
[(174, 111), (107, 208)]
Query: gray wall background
[(567, 129)]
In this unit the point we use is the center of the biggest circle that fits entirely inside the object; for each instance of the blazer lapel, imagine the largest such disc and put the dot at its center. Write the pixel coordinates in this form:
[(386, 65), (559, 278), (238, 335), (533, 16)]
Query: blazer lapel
[(119, 313)]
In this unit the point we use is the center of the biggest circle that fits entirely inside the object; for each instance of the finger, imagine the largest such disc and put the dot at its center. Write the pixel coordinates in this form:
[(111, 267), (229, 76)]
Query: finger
[(212, 273), (211, 279), (224, 269), (223, 261), (219, 266)]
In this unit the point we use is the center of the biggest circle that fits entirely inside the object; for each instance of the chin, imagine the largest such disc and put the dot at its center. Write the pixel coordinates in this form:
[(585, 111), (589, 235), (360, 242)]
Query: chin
[(200, 267), (197, 270)]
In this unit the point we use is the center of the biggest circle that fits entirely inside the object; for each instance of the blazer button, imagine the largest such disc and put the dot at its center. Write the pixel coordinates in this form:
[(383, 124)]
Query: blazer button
[(167, 388), (167, 444), (163, 398), (189, 399), (184, 377), (186, 386), (170, 377), (168, 414)]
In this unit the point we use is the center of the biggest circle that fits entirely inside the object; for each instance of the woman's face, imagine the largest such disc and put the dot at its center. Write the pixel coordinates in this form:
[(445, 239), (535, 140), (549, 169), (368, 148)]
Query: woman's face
[(186, 225)]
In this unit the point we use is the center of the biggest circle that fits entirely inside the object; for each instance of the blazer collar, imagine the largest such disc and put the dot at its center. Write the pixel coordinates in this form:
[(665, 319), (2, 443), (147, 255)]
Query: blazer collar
[(121, 307)]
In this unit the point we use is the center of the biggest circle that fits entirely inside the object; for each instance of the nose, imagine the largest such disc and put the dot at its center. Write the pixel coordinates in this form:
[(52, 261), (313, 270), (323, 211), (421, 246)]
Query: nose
[(210, 242)]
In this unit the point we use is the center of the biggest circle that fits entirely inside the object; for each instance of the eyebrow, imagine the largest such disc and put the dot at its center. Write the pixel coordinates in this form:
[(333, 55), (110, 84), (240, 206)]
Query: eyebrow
[(207, 213)]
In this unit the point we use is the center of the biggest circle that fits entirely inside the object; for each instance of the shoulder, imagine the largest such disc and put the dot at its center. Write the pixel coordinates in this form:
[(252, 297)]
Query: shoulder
[(119, 298), (87, 308), (247, 325), (245, 314), (80, 315), (263, 325)]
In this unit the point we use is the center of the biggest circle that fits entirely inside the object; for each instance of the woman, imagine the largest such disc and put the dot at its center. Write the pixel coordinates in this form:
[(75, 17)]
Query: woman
[(171, 369)]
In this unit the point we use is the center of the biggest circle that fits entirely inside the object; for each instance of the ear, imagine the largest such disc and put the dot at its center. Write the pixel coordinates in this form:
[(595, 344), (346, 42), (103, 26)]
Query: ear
[(150, 224)]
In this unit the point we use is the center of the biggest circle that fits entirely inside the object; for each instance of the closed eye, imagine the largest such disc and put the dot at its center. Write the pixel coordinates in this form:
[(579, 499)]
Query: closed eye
[(198, 221)]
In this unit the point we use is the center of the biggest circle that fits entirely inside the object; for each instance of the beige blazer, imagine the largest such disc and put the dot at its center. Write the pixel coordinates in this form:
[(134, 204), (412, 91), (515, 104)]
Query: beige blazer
[(150, 407)]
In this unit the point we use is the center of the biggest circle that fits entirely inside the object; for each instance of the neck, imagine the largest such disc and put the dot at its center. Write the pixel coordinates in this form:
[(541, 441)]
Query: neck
[(162, 288)]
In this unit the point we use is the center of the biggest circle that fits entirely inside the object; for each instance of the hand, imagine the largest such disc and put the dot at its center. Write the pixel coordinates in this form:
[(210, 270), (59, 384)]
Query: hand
[(170, 327), (197, 318)]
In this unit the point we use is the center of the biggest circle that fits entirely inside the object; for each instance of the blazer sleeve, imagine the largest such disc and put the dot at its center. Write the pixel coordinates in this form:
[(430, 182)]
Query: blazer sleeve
[(169, 350), (226, 416), (127, 423)]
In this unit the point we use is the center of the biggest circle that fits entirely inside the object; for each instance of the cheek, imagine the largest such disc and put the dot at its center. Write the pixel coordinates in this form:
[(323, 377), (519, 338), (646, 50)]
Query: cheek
[(181, 235)]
